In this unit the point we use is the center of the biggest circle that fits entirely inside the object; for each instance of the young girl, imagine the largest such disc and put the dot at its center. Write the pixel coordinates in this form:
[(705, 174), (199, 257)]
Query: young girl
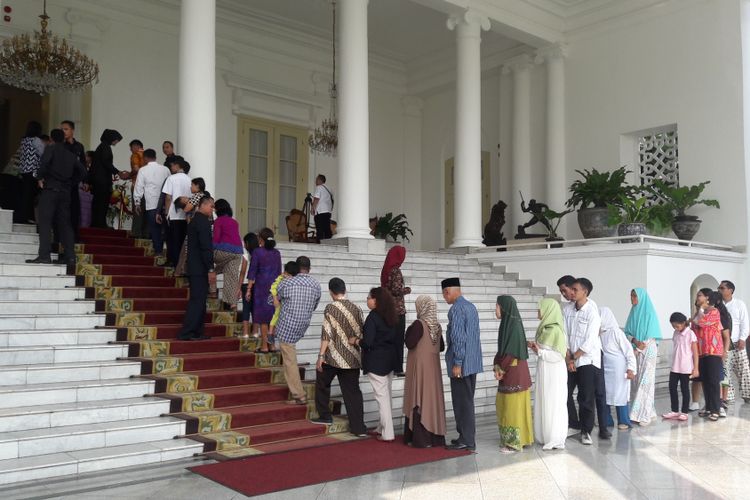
[(251, 243), (620, 366), (684, 365)]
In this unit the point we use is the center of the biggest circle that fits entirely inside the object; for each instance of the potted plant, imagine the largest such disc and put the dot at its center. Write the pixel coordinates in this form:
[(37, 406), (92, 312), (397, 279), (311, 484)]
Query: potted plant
[(554, 219), (633, 216), (592, 194), (388, 226), (678, 200)]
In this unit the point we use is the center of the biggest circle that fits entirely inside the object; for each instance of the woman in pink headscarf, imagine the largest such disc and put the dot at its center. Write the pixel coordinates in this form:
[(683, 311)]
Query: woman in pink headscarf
[(392, 280)]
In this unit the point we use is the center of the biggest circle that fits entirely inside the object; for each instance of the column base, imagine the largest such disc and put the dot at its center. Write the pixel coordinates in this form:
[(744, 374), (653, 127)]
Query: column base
[(359, 245), (467, 242)]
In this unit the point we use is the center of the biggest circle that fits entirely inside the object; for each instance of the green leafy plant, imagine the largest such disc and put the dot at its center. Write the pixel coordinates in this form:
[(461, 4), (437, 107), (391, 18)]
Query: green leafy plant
[(598, 189), (392, 227), (682, 198), (636, 210), (554, 219)]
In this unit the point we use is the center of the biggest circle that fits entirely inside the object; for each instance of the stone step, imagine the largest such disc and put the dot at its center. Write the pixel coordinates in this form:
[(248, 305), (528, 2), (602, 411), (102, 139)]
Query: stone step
[(43, 373), (24, 228), (34, 442), (70, 392), (50, 354), (36, 283), (21, 257), (21, 269), (97, 459), (40, 307), (42, 294), (6, 220), (10, 237), (58, 337), (78, 413), (50, 321)]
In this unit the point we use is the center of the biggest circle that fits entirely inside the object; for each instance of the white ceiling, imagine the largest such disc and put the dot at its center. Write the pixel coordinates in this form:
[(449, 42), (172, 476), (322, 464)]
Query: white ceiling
[(398, 29)]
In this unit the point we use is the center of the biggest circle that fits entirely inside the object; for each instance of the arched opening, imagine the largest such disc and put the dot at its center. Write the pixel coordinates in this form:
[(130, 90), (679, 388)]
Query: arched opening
[(702, 281)]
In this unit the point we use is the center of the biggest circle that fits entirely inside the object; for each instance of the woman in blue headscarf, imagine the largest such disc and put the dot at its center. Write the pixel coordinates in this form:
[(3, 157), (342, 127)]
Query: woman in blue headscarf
[(643, 331)]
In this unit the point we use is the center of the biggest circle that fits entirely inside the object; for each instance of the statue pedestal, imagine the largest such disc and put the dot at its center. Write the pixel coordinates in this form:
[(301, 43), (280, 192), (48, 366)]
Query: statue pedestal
[(513, 245)]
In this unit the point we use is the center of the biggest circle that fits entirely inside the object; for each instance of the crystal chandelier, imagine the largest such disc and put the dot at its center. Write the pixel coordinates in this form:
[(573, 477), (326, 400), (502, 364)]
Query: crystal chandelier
[(44, 63), (325, 138)]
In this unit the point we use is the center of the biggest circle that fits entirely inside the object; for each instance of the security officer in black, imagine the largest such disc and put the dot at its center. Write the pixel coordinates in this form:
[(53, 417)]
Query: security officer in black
[(59, 170)]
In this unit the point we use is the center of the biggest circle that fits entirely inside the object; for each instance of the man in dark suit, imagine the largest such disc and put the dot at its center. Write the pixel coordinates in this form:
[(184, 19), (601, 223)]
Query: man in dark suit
[(58, 170), (200, 269)]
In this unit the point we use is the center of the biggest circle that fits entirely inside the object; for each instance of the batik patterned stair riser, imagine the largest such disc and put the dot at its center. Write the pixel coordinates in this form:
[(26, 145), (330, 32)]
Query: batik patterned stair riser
[(153, 348), (86, 269), (182, 383), (268, 360), (212, 421), (128, 305), (166, 365), (196, 401), (136, 333), (228, 440), (138, 319)]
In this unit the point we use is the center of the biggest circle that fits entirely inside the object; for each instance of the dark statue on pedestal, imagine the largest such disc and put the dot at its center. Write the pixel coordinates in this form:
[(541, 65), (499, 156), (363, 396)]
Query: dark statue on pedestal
[(493, 234), (537, 211)]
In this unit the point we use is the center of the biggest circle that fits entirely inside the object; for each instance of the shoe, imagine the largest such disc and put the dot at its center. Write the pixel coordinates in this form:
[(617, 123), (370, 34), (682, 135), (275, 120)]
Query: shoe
[(574, 425), (459, 447), (670, 415), (295, 401), (39, 260), (682, 417), (694, 406), (644, 424), (383, 440), (585, 438), (713, 417), (323, 421), (722, 413), (507, 451), (624, 427), (455, 441), (401, 374), (704, 413), (605, 434), (359, 435)]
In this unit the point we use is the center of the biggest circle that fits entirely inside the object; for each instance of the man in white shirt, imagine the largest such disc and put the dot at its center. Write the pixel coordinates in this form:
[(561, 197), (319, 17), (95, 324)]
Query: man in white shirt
[(564, 284), (737, 356), (148, 186), (322, 207), (176, 185), (585, 353)]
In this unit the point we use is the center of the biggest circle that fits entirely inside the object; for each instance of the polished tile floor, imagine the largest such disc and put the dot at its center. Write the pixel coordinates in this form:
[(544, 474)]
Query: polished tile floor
[(693, 460)]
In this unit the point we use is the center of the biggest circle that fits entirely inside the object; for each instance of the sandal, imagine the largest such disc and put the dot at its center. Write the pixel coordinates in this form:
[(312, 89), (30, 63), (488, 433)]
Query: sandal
[(505, 450), (261, 351), (296, 401), (704, 413), (713, 417)]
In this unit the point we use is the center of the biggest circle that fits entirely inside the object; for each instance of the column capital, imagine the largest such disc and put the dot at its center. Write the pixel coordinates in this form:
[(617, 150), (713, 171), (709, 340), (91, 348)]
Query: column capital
[(469, 17), (521, 62), (412, 106), (551, 52)]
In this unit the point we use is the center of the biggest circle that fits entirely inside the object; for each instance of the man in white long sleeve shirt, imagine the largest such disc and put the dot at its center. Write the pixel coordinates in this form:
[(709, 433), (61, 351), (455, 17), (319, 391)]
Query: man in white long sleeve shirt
[(583, 323), (740, 330), (148, 185)]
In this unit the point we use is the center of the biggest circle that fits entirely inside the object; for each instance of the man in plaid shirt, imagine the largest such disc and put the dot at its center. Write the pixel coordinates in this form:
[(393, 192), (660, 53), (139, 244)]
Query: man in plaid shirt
[(299, 296)]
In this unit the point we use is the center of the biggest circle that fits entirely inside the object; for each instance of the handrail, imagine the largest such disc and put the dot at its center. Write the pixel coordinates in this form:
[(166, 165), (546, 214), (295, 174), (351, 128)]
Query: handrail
[(640, 238)]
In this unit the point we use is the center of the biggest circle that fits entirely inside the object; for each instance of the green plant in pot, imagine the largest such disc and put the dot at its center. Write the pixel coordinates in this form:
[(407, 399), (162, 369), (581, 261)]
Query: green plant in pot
[(393, 228), (634, 216), (592, 194), (682, 198), (554, 219)]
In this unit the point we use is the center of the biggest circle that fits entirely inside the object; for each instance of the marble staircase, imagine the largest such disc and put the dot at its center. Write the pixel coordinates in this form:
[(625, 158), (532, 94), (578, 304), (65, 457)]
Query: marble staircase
[(68, 403)]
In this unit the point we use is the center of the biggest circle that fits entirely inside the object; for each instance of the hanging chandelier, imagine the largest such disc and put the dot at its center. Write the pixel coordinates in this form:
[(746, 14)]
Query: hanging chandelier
[(325, 138), (44, 63)]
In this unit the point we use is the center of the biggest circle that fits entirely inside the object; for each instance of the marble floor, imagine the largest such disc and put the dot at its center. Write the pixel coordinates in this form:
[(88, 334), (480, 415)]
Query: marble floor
[(694, 460)]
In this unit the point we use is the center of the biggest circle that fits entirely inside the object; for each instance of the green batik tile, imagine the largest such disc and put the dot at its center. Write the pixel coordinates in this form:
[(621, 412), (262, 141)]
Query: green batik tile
[(130, 319), (83, 269), (136, 333), (181, 383), (212, 421), (239, 452), (197, 401), (85, 258), (267, 360), (249, 344), (167, 365), (120, 305), (340, 424), (224, 317), (277, 375), (154, 348), (228, 440)]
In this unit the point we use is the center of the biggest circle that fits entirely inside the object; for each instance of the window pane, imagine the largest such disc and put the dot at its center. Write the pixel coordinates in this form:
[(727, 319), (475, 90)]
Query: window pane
[(287, 173), (258, 169), (256, 219), (258, 143), (288, 148)]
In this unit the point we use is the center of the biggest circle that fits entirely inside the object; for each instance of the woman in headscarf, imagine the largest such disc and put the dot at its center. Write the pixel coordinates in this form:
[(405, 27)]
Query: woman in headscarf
[(619, 367), (392, 280), (424, 404), (100, 177), (513, 400), (643, 330), (550, 403)]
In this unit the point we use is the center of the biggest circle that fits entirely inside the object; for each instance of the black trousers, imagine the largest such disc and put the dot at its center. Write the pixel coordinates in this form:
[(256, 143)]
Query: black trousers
[(194, 321), (176, 231), (29, 190), (462, 394), (75, 211), (573, 422), (600, 393), (684, 381), (400, 339), (349, 382), (586, 377), (54, 207), (710, 368), (100, 204), (323, 226)]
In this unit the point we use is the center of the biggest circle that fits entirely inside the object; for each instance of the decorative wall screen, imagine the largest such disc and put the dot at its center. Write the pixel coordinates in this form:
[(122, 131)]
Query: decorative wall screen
[(658, 158)]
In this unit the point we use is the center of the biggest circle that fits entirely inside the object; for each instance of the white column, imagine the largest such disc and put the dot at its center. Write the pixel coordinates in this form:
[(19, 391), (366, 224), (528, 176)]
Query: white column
[(412, 164), (520, 66), (353, 196), (467, 179), (556, 188), (196, 125)]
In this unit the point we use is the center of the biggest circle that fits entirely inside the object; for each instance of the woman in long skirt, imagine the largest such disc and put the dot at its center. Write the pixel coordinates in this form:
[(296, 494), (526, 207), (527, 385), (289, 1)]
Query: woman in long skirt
[(550, 402), (619, 367), (513, 400), (643, 330)]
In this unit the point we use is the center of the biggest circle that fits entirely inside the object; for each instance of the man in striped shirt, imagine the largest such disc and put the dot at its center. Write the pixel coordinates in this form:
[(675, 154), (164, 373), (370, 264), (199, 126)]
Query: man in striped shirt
[(340, 358), (463, 357)]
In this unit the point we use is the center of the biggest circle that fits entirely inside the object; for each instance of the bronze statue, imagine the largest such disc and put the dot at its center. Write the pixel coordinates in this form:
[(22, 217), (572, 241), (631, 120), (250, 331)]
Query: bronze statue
[(537, 211), (493, 234)]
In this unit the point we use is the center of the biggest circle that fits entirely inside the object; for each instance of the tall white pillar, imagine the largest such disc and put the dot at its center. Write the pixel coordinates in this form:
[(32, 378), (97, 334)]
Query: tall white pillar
[(412, 165), (520, 66), (467, 179), (353, 196), (556, 188), (196, 125)]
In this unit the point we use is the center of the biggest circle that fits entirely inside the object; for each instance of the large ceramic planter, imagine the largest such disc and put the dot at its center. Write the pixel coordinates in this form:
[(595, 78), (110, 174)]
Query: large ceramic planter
[(685, 227), (593, 222), (633, 229)]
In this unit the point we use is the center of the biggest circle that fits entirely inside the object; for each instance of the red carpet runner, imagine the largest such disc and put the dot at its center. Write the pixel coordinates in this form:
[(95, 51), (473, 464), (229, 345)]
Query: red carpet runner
[(234, 401), (283, 471)]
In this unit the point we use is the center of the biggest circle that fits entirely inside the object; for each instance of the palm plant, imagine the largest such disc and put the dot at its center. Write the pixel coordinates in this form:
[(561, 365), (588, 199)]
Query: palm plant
[(598, 189), (392, 227), (681, 198)]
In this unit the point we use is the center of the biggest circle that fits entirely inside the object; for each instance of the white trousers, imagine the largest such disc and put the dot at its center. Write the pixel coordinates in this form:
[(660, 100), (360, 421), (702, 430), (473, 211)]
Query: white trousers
[(381, 386)]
